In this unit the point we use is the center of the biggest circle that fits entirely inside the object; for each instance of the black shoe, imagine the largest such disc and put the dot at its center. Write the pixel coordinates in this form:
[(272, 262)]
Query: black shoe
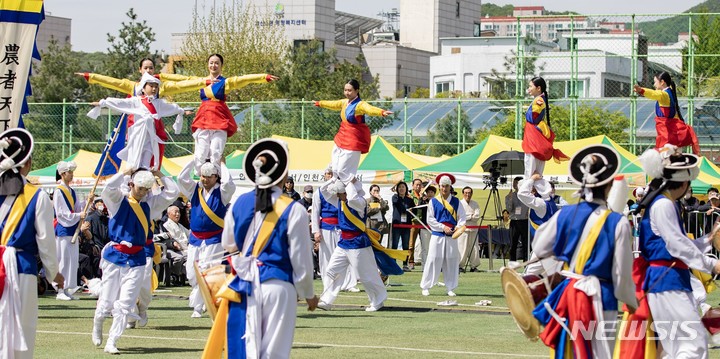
[(462, 270), (474, 270)]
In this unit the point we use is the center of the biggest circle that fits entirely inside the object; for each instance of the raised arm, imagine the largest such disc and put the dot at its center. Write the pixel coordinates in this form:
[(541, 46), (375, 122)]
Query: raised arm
[(161, 201), (112, 195), (124, 86), (325, 190), (185, 181), (527, 198), (238, 82), (227, 186)]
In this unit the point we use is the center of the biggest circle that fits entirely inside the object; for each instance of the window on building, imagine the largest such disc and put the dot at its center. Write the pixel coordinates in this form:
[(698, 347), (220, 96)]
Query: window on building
[(454, 50), (488, 27), (446, 86), (457, 9), (476, 29), (615, 88), (406, 91)]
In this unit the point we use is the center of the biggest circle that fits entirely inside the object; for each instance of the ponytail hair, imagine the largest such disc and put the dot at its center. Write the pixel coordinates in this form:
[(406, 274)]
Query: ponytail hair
[(540, 82), (668, 80)]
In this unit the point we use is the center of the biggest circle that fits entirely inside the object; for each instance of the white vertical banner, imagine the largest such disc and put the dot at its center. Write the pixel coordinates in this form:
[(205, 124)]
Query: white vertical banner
[(19, 21)]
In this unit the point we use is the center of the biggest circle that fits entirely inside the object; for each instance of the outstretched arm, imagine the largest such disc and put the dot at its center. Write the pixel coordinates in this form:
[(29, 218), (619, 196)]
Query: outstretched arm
[(330, 105), (364, 108), (238, 82), (124, 86)]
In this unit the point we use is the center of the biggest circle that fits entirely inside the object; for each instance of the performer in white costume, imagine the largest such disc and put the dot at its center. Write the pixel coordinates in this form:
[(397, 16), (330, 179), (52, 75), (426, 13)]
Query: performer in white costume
[(274, 267), (69, 213), (123, 259), (27, 221), (444, 215), (209, 199), (325, 229)]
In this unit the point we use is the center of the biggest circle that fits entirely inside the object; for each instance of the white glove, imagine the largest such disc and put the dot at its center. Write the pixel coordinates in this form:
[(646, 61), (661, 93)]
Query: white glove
[(94, 113), (178, 124), (126, 244)]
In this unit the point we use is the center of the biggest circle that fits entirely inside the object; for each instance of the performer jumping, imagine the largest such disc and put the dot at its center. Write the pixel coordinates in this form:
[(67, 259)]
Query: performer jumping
[(123, 259), (669, 123), (273, 269), (27, 232), (69, 213), (538, 136), (214, 123), (353, 137), (209, 199), (596, 246), (147, 136)]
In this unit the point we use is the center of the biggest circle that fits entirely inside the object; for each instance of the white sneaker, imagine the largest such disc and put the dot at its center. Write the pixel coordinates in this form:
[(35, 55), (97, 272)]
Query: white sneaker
[(143, 319), (441, 284), (196, 314), (324, 306), (373, 308), (110, 347), (97, 335), (354, 290), (425, 292), (62, 296), (130, 325), (451, 294)]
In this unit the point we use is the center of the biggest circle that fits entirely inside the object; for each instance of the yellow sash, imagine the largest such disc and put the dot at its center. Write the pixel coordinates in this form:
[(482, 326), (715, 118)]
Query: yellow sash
[(209, 212), (16, 212), (217, 340), (373, 235), (135, 205), (447, 206), (68, 195)]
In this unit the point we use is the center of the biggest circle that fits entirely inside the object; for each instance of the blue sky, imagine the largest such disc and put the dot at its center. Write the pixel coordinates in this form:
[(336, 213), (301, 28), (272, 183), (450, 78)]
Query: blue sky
[(166, 17)]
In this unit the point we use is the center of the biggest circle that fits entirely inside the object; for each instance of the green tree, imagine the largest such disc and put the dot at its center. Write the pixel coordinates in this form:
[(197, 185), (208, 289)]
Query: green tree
[(127, 47), (53, 80), (706, 43), (445, 132), (592, 121)]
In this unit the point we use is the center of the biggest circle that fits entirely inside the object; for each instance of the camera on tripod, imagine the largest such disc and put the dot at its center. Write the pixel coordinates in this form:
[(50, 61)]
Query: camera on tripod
[(495, 176)]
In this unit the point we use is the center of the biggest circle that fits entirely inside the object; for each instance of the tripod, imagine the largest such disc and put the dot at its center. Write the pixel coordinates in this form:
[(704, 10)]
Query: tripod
[(497, 206)]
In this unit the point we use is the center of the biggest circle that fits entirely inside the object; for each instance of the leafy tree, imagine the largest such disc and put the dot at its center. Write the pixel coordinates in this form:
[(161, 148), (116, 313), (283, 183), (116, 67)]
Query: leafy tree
[(127, 47), (706, 43), (488, 9), (446, 131), (53, 80), (592, 121)]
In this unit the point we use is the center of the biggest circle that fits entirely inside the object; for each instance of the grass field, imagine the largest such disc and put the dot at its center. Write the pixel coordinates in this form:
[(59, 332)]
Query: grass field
[(410, 325)]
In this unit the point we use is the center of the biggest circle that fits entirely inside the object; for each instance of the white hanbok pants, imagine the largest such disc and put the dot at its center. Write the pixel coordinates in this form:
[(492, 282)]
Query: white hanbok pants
[(345, 163), (209, 145), (28, 312), (363, 262), (676, 314), (467, 247), (145, 296), (327, 247), (279, 311), (68, 261), (119, 294), (207, 256), (443, 254)]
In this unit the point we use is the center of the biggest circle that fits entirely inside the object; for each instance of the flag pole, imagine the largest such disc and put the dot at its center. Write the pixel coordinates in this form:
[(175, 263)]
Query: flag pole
[(108, 146)]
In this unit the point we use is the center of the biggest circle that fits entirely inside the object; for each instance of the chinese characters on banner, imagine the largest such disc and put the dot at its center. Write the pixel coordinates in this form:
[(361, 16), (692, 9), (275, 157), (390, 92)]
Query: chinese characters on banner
[(19, 21)]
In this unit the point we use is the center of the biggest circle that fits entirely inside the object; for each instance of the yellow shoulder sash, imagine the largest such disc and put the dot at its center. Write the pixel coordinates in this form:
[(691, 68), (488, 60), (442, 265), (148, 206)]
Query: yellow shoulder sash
[(589, 244), (447, 206), (208, 211), (135, 205), (17, 211), (68, 196)]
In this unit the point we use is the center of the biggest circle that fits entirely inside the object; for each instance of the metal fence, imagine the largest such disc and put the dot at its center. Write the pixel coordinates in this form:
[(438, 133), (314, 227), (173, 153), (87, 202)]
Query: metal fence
[(590, 62)]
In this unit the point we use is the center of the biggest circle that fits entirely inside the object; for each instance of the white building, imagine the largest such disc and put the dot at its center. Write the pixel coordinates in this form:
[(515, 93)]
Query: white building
[(467, 65), (541, 28), (403, 66), (669, 55)]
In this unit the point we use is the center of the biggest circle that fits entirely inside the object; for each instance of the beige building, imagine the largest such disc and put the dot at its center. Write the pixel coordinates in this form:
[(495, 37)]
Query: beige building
[(53, 27)]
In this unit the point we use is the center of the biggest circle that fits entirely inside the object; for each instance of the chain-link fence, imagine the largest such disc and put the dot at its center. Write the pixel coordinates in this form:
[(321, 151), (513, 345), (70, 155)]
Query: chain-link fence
[(590, 63)]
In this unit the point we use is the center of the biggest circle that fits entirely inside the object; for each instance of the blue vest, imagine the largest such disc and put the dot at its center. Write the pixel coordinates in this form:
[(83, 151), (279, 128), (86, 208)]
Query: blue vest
[(150, 245), (536, 221), (60, 230), (442, 215), (571, 222), (653, 248), (671, 109), (200, 222), (216, 90), (125, 226), (327, 210), (358, 242), (25, 239), (275, 257)]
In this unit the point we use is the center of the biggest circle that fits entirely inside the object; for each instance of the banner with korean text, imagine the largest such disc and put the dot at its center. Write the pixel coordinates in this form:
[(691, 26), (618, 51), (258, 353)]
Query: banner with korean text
[(19, 22)]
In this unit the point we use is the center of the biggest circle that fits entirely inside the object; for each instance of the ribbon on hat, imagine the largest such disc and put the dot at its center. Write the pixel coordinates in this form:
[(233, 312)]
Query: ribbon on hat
[(11, 182)]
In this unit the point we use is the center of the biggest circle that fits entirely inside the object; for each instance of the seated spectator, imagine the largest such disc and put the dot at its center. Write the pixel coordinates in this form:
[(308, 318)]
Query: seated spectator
[(176, 242), (93, 238)]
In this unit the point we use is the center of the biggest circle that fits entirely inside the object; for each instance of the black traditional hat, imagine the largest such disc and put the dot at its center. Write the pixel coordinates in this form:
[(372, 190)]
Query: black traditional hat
[(584, 160), (16, 146), (266, 165)]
